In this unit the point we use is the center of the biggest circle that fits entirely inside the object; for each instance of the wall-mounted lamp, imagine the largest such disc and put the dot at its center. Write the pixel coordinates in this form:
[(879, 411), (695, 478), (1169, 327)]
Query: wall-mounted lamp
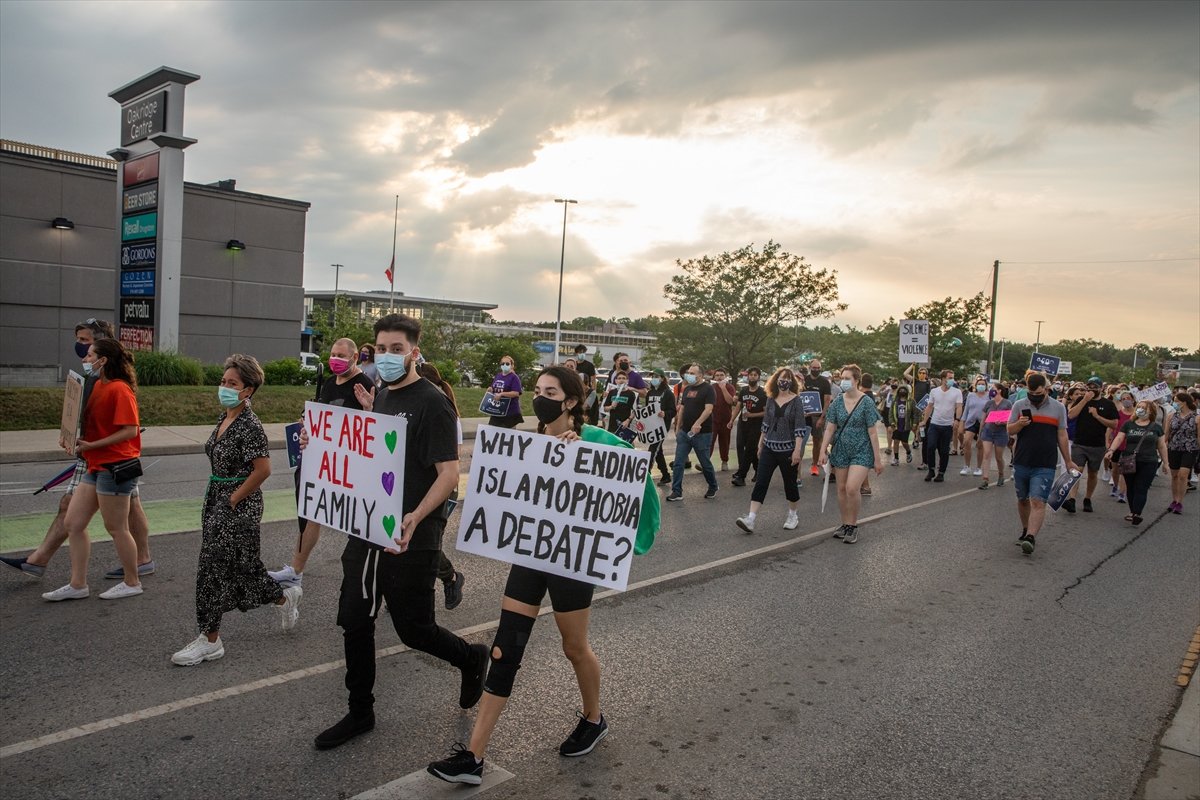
[(234, 244), (62, 224)]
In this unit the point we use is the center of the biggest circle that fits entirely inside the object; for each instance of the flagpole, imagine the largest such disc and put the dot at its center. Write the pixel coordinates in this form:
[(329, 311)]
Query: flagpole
[(392, 280)]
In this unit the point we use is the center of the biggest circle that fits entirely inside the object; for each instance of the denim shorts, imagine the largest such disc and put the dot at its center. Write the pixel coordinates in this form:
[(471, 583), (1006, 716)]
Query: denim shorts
[(1033, 483), (105, 485)]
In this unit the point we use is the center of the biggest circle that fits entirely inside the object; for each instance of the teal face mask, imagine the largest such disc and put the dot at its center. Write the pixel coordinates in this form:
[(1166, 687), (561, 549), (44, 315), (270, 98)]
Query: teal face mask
[(229, 397)]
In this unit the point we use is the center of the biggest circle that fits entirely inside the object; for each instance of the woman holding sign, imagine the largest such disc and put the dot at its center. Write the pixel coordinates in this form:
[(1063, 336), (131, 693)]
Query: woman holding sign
[(993, 435), (506, 388), (558, 402), (231, 573), (851, 447)]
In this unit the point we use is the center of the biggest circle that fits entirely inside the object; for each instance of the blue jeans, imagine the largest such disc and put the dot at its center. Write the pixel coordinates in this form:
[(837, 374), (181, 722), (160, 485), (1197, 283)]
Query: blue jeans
[(685, 444), (1033, 483)]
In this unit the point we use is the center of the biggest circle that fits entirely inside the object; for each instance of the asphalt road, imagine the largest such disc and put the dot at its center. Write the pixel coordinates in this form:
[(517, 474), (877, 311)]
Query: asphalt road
[(931, 660)]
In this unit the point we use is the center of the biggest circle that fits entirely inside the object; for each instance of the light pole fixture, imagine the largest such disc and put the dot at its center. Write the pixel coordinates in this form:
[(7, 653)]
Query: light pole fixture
[(1038, 344), (62, 224), (235, 244), (336, 275), (562, 257)]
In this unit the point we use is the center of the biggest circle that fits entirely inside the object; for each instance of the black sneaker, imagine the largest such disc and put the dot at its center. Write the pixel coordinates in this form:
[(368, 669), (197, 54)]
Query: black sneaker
[(1069, 505), (453, 590), (841, 532), (711, 493), (1027, 544), (346, 729), (1087, 504), (664, 480), (1021, 538), (473, 675), (460, 767), (939, 477), (851, 535), (585, 738), (24, 566), (928, 476), (736, 481), (672, 497)]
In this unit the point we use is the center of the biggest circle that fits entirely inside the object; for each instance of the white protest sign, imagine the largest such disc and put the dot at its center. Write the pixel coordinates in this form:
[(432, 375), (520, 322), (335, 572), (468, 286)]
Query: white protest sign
[(1156, 392), (564, 508), (1065, 367), (914, 341), (71, 411), (352, 473), (651, 428)]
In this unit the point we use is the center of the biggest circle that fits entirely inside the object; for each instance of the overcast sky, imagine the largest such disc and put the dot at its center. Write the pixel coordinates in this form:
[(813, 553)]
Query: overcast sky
[(906, 145)]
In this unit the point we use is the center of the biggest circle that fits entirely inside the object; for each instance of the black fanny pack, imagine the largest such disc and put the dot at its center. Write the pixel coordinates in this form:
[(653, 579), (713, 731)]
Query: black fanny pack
[(123, 471)]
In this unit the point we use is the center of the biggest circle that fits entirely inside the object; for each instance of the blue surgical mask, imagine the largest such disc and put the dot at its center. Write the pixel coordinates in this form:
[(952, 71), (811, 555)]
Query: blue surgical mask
[(979, 387), (951, 382), (690, 378), (506, 368), (81, 349), (391, 367), (228, 397), (88, 368), (846, 385), (655, 382)]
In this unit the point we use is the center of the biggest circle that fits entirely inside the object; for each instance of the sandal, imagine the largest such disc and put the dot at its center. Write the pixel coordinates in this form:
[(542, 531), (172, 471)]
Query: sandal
[(865, 491), (984, 485), (1129, 517)]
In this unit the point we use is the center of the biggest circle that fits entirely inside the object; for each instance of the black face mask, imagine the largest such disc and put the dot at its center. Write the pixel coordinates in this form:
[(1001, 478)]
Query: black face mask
[(1037, 399), (547, 410), (816, 373), (624, 365)]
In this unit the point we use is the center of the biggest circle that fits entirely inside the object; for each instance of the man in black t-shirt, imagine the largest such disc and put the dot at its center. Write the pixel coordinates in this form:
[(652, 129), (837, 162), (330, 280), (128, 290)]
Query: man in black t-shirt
[(1094, 416), (814, 381), (751, 407), (405, 576), (587, 372), (693, 431)]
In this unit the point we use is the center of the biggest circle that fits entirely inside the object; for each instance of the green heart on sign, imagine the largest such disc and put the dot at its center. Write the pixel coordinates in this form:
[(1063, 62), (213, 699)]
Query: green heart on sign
[(389, 524), (389, 439)]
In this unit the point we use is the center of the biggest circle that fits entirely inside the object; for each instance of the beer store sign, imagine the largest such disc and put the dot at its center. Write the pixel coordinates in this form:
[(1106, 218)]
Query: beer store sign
[(139, 254), (141, 198), (143, 118), (137, 311)]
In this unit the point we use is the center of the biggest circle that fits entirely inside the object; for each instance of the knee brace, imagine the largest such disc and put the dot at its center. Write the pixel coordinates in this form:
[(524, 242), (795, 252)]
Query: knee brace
[(511, 637)]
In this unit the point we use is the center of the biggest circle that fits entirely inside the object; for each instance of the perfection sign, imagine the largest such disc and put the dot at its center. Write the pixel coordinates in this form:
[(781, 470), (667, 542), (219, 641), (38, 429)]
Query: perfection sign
[(352, 473), (564, 508)]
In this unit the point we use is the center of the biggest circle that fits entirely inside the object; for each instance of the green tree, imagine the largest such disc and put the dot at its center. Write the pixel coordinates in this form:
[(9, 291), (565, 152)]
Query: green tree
[(484, 360), (728, 309), (956, 328), (343, 322)]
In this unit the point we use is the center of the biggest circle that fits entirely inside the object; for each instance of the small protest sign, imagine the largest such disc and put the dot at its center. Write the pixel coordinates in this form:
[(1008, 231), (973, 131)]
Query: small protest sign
[(1065, 367), (1061, 488), (291, 435), (914, 341), (1153, 393), (650, 427), (1044, 362), (564, 508), (810, 402), (494, 406), (1000, 417), (352, 473), (71, 410), (924, 401)]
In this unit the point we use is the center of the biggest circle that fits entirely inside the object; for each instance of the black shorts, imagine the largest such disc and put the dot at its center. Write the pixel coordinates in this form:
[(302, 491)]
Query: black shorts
[(1181, 459), (900, 436), (529, 586), (973, 430)]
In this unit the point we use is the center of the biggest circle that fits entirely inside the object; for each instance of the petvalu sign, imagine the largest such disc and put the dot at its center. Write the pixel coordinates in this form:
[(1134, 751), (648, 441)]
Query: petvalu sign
[(143, 118)]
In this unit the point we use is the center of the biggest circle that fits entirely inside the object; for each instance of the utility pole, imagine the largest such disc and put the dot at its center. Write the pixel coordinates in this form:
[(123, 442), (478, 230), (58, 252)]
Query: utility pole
[(336, 276), (562, 259), (1038, 344), (992, 326)]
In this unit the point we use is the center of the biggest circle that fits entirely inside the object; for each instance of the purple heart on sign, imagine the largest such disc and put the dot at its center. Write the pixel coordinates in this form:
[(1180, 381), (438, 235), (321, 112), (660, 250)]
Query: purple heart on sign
[(389, 482)]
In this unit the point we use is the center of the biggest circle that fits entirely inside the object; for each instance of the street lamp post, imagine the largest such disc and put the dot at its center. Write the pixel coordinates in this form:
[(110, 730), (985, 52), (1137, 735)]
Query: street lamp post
[(336, 275), (1038, 344), (562, 258)]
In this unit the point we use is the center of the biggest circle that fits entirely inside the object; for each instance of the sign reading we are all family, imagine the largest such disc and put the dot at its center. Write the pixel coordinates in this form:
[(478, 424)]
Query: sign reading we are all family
[(352, 473), (564, 508)]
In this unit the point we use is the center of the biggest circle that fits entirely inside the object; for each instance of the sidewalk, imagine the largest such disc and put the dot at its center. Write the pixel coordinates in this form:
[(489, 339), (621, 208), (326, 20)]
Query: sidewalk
[(28, 446), (1177, 775)]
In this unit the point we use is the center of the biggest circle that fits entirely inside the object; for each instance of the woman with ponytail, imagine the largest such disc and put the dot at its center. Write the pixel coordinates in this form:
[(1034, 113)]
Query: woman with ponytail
[(110, 444), (558, 403)]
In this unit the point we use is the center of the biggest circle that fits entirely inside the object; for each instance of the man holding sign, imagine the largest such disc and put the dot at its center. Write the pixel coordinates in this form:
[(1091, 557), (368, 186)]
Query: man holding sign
[(566, 512), (404, 573)]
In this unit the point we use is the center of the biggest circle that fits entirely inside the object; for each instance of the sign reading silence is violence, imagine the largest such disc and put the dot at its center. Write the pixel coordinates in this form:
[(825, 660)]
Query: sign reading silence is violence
[(565, 508), (352, 473)]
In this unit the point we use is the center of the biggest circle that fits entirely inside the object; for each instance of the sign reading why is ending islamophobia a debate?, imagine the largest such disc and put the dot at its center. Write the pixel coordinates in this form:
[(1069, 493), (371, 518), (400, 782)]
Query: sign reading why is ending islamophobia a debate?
[(352, 473), (565, 508)]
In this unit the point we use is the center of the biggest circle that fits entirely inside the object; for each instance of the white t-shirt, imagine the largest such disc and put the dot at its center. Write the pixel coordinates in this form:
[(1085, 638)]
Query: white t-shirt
[(943, 405)]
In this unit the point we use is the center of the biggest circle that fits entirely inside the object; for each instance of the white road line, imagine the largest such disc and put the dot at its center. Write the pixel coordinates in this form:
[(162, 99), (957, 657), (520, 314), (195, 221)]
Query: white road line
[(275, 680), (420, 785)]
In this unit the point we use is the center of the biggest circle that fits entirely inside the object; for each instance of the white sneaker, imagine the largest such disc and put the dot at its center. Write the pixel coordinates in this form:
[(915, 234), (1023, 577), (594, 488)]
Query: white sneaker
[(286, 576), (965, 471), (122, 589), (746, 524), (289, 612), (67, 592), (978, 472), (198, 651), (791, 522)]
